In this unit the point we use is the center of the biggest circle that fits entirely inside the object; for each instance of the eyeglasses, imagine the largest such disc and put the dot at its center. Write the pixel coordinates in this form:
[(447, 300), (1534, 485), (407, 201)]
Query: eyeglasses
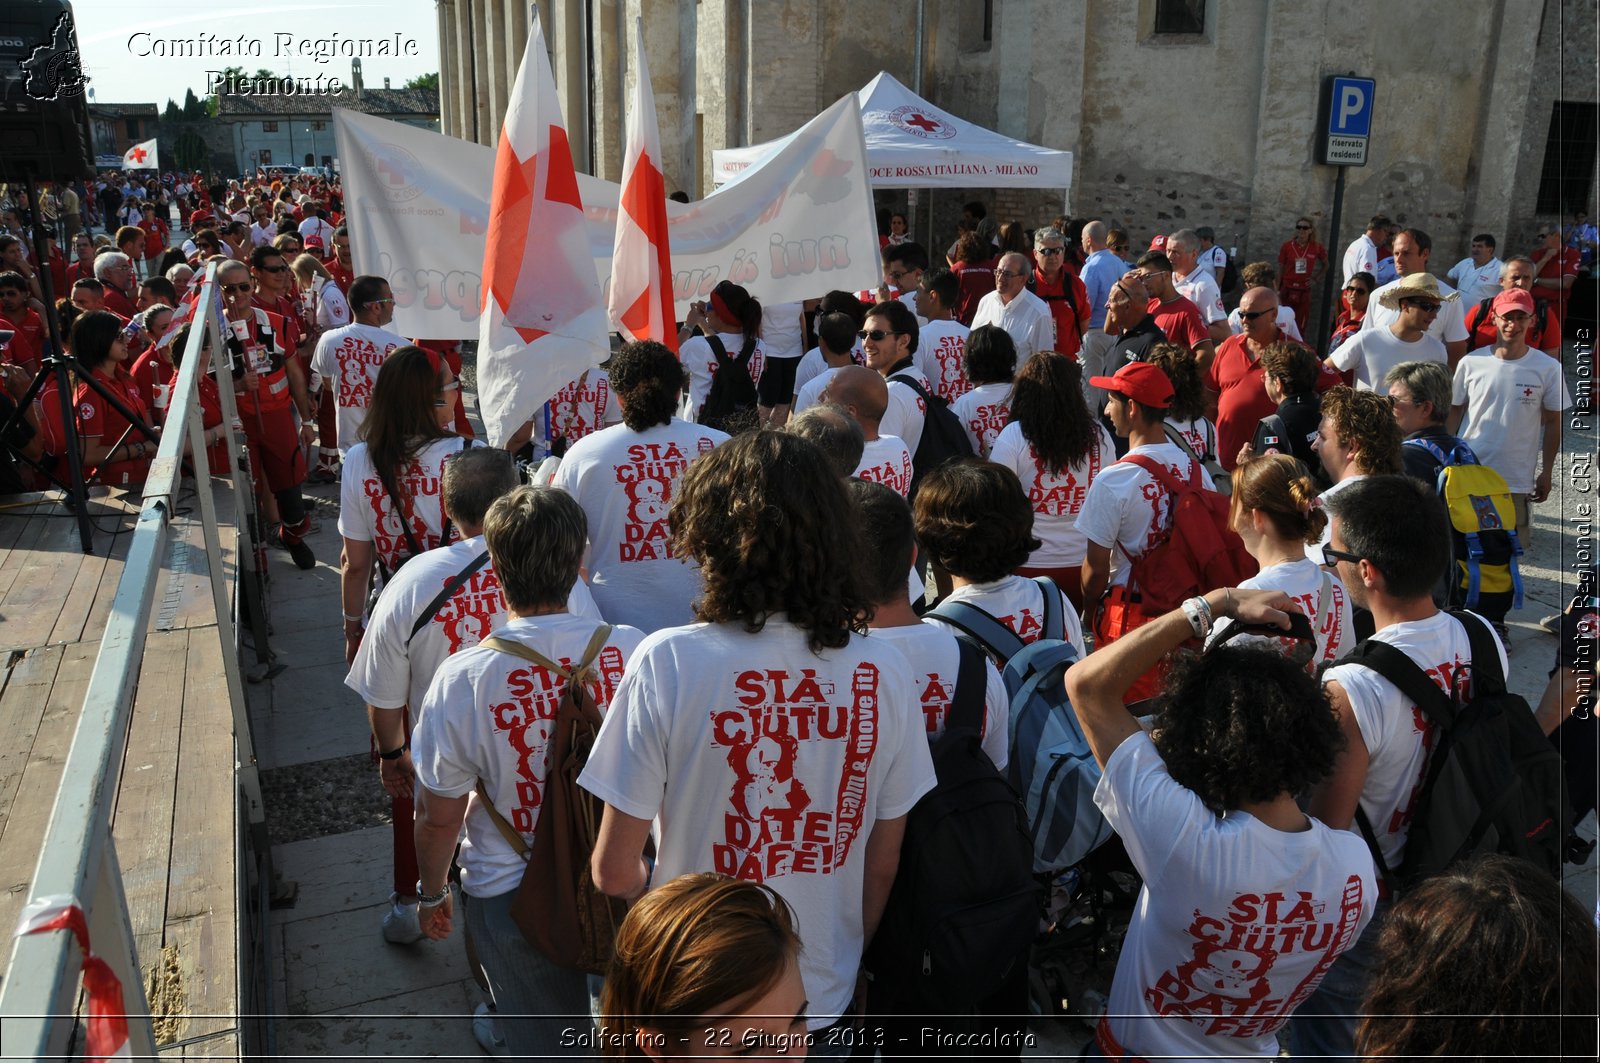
[(1331, 557), (1119, 248), (869, 334), (1426, 306), (1005, 274), (1049, 250), (1251, 315), (1302, 226), (274, 269), (376, 302), (1151, 274), (1356, 289), (454, 385), (236, 287)]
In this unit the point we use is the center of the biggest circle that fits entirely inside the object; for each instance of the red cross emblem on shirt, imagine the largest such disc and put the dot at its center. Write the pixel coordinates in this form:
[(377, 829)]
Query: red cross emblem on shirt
[(137, 154), (1527, 392), (922, 122)]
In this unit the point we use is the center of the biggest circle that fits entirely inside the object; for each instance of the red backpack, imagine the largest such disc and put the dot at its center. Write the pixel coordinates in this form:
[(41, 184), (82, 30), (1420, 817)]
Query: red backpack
[(1200, 551)]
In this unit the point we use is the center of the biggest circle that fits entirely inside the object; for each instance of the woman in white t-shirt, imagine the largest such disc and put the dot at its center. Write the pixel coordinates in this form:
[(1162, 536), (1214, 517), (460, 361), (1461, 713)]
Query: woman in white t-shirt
[(1274, 511), (990, 362), (331, 307), (733, 318), (391, 497), (1056, 448), (1186, 417)]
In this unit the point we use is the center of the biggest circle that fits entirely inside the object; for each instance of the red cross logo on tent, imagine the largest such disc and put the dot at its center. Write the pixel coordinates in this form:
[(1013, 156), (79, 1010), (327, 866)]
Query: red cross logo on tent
[(922, 122), (913, 120), (137, 154)]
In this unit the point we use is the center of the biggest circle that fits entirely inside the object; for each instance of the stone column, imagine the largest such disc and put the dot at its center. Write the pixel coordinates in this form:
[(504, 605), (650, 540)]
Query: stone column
[(482, 74), (462, 38), (444, 10), (492, 60)]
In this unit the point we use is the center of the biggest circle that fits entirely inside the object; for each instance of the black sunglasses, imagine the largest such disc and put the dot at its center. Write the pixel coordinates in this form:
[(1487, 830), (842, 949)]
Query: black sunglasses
[(1331, 557), (876, 334), (1251, 315)]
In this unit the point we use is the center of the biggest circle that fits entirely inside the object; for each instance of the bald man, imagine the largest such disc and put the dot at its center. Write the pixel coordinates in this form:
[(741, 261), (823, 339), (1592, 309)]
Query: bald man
[(1025, 316), (1101, 269), (864, 395)]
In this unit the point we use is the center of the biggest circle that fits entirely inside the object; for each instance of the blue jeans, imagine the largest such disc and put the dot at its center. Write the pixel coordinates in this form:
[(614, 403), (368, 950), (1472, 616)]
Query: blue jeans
[(1324, 1027), (542, 1008)]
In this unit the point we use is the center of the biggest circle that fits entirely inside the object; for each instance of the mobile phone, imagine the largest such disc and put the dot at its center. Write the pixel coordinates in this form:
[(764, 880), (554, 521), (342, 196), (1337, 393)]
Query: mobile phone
[(1299, 628), (5, 338)]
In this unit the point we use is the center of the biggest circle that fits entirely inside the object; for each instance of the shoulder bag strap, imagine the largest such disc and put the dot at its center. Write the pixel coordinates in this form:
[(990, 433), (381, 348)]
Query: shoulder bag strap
[(912, 383), (988, 632), (1412, 681), (1054, 626), (1177, 437), (453, 584), (400, 512), (1371, 837), (528, 653), (1487, 678), (967, 705), (507, 831), (718, 351)]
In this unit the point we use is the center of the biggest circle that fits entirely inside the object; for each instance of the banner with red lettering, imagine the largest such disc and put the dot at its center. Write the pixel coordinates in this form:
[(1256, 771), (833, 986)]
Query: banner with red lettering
[(796, 227)]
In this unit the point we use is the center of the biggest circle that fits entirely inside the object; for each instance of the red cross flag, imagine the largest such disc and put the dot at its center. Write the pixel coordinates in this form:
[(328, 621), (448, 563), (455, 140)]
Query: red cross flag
[(141, 157), (544, 320), (641, 262)]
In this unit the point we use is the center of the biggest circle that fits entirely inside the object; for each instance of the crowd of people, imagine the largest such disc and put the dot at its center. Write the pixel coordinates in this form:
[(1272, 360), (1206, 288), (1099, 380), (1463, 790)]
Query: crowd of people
[(732, 551)]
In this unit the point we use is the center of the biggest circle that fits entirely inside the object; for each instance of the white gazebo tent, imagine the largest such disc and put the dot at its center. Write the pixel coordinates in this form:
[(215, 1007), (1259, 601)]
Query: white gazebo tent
[(913, 144)]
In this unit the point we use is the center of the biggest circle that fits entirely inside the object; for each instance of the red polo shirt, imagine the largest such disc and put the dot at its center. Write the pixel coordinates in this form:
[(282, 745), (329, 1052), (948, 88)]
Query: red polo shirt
[(1240, 383), (1070, 324)]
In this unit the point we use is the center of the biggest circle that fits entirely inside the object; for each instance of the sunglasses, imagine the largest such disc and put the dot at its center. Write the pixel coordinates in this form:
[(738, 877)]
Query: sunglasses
[(1302, 226), (1005, 274), (1251, 315), (1356, 289), (274, 269), (1424, 305), (376, 302), (1050, 250), (235, 287), (454, 385), (1331, 557), (875, 335)]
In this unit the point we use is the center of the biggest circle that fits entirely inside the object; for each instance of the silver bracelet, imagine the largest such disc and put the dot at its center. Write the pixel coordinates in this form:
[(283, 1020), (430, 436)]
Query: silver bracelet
[(431, 900), (1198, 612)]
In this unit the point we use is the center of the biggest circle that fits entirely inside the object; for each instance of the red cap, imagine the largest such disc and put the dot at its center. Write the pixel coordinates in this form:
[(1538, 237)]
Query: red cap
[(1158, 243), (1513, 299), (313, 241), (1141, 382)]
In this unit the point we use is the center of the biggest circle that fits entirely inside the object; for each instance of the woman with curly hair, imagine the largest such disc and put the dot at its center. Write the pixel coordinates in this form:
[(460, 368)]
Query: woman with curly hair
[(1488, 960), (1274, 509), (1246, 900), (1056, 448), (1186, 417), (703, 963), (625, 477), (975, 523), (770, 741)]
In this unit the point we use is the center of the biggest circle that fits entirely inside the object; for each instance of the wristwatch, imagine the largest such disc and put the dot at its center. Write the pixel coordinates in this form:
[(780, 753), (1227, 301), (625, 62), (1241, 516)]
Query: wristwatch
[(396, 753)]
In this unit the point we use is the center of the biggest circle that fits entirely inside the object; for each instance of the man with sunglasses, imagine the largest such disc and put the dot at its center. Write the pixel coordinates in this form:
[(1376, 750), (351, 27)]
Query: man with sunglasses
[(1415, 301), (1301, 261), (1555, 267), (1024, 316), (347, 361), (1387, 546), (1055, 282), (889, 339), (1544, 329), (1173, 312), (1412, 247)]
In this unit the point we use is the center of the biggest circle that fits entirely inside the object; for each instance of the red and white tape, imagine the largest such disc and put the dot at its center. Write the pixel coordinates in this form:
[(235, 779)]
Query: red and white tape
[(108, 1019)]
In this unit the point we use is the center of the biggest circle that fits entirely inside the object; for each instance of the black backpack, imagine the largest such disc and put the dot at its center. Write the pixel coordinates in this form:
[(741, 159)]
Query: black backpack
[(1230, 274), (1493, 782), (1485, 309), (943, 438), (1065, 296), (965, 905), (732, 398)]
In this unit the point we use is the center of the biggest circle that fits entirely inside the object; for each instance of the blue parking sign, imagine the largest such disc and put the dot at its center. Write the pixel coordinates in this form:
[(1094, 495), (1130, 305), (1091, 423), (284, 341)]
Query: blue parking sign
[(1350, 110)]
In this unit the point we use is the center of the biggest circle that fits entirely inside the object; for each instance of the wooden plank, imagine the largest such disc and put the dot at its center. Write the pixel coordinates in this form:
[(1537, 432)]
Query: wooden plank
[(142, 822), (14, 522), (28, 531), (34, 600), (222, 1046), (94, 626), (104, 565), (22, 706), (202, 916), (184, 592), (36, 793)]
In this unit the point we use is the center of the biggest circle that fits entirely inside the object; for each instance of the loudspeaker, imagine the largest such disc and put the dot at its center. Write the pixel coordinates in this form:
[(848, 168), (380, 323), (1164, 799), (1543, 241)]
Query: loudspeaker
[(44, 115)]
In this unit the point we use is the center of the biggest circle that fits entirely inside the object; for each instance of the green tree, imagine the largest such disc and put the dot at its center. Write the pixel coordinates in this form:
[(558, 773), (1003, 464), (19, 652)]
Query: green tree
[(193, 109), (424, 81), (172, 113)]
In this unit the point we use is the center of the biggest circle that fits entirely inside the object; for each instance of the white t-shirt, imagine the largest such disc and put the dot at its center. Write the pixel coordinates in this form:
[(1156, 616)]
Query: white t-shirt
[(318, 227), (393, 667), (983, 412), (941, 346), (887, 461), (1126, 508), (580, 409), (701, 363), (782, 333), (624, 481), (488, 715), (810, 393), (366, 513), (1505, 403), (1395, 732), (1018, 603), (1373, 352), (1449, 324), (812, 364), (1361, 256), (333, 309), (1198, 432), (1237, 922), (1214, 260), (1475, 283), (1200, 288), (762, 759), (1302, 581), (262, 235), (1286, 323), (350, 358), (1056, 497), (906, 411), (935, 662), (1027, 319), (1314, 550)]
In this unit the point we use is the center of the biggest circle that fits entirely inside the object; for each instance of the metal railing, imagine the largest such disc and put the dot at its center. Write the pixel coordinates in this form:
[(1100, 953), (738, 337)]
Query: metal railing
[(78, 860)]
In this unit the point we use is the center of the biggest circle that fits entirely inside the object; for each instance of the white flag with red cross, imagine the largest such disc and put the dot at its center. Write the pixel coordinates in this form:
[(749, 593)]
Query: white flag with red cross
[(141, 156), (641, 262), (544, 318)]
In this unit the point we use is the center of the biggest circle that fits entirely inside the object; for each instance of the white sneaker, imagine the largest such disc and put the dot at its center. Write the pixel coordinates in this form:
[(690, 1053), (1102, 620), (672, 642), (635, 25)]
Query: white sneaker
[(485, 1030), (401, 925)]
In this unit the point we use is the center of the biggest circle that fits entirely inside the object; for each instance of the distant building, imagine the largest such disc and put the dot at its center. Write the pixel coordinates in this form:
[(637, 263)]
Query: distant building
[(119, 126), (297, 130)]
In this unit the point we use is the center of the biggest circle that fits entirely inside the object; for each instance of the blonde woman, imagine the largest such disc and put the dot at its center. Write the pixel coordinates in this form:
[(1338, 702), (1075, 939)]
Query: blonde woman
[(321, 292)]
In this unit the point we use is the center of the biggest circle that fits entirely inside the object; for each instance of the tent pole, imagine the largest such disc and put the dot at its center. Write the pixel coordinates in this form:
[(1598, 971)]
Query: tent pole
[(928, 241)]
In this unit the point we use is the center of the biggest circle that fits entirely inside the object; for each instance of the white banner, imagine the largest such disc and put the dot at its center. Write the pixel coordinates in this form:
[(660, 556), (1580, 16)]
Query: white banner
[(795, 227)]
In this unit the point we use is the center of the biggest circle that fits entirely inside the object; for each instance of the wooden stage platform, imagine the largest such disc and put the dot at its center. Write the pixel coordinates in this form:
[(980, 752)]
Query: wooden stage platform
[(177, 823)]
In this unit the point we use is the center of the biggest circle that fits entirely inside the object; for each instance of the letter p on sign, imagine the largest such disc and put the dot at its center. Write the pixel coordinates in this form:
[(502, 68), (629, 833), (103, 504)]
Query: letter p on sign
[(1351, 101)]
